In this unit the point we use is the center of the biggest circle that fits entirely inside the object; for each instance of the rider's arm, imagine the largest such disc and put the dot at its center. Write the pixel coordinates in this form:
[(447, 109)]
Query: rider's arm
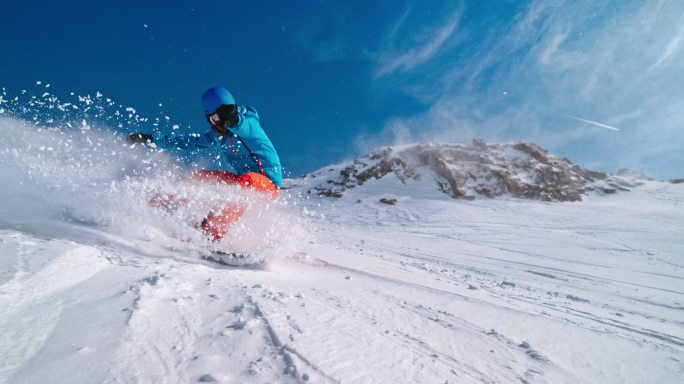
[(184, 140), (249, 125)]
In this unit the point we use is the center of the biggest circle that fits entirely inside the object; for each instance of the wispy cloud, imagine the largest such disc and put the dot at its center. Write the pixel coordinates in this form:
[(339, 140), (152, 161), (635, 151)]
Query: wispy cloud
[(422, 52), (399, 23), (551, 47), (673, 47)]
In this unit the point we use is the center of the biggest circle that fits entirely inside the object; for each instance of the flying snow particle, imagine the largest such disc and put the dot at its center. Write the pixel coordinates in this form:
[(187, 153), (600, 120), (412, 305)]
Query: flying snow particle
[(39, 82), (145, 25), (175, 126)]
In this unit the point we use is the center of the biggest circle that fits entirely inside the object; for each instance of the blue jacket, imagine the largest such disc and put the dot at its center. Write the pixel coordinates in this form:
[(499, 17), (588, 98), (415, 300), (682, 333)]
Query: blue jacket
[(246, 148)]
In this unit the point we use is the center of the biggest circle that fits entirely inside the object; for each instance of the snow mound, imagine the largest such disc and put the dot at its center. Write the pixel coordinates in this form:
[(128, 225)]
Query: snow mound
[(521, 170)]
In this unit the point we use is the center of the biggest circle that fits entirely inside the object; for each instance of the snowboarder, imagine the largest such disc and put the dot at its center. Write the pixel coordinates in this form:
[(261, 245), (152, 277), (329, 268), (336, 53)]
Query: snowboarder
[(238, 135)]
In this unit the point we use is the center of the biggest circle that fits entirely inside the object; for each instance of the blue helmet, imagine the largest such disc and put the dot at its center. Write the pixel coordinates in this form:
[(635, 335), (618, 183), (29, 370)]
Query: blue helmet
[(214, 98)]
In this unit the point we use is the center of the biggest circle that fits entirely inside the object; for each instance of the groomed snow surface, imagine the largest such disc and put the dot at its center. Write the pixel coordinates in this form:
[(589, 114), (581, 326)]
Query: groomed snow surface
[(98, 288)]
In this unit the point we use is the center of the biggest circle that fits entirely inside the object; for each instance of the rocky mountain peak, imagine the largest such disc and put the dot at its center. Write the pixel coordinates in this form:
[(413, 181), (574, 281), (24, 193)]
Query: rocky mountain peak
[(523, 170)]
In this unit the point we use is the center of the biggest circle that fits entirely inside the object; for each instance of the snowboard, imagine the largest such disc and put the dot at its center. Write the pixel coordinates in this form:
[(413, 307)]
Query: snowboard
[(234, 259)]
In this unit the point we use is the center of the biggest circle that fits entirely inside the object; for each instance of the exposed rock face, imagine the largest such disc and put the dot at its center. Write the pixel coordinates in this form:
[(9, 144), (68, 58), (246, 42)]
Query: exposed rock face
[(522, 170)]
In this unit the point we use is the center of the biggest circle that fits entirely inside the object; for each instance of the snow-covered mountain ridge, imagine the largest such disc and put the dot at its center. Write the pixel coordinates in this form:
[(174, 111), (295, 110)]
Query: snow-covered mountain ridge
[(522, 170)]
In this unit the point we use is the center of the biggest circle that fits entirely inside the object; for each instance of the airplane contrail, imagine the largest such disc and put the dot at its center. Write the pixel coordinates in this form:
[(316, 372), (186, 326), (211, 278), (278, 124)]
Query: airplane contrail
[(592, 122)]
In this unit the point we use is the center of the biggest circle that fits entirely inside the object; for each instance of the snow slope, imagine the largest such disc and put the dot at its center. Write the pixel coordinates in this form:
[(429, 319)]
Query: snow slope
[(97, 287)]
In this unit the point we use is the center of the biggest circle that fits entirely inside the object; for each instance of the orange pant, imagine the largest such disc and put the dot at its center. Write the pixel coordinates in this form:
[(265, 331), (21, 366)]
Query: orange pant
[(218, 223), (251, 180)]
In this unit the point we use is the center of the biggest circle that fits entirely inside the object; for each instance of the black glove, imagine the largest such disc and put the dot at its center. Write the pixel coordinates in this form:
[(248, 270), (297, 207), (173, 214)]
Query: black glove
[(137, 138)]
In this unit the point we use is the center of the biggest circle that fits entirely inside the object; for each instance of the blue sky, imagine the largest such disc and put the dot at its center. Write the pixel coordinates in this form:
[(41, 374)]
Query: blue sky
[(599, 82)]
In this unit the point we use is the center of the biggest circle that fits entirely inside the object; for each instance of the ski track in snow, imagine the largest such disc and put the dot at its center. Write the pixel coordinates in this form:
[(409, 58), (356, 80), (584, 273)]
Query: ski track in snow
[(484, 291), (463, 296), (184, 331)]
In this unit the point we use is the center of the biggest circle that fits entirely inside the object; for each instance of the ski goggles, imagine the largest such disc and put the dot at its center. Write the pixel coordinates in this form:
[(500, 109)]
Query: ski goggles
[(226, 113), (214, 119)]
